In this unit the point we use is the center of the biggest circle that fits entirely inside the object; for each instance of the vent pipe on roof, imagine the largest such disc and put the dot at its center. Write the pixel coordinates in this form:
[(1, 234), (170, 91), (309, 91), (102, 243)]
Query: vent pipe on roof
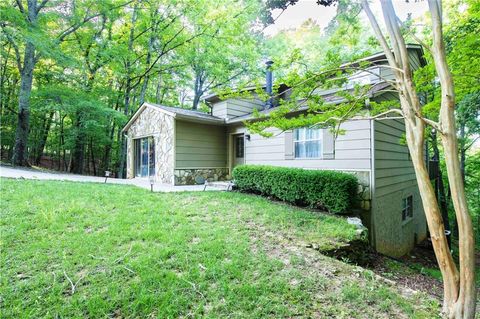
[(269, 84)]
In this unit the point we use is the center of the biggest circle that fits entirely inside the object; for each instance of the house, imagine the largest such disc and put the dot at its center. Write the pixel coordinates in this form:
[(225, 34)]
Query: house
[(180, 147)]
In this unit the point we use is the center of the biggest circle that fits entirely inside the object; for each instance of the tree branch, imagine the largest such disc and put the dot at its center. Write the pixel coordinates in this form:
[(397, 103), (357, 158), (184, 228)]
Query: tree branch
[(20, 6), (41, 5), (74, 27), (378, 34), (18, 57)]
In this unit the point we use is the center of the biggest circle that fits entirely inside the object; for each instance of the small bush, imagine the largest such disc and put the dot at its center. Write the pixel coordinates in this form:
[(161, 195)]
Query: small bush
[(329, 190)]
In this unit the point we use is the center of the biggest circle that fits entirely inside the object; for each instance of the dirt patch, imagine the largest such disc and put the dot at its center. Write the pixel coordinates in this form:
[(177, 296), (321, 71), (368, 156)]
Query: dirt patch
[(332, 277), (357, 252), (407, 277), (395, 272), (405, 272)]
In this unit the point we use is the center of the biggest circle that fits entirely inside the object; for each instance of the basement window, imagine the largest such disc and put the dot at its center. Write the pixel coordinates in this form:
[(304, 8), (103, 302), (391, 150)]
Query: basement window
[(407, 208)]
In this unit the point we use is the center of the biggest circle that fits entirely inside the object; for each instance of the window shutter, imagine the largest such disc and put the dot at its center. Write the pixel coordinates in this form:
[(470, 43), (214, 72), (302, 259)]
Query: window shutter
[(328, 144), (289, 145)]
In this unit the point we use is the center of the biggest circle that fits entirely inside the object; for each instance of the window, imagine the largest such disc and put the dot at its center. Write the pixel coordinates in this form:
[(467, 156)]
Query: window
[(407, 208), (239, 146), (308, 142), (144, 158)]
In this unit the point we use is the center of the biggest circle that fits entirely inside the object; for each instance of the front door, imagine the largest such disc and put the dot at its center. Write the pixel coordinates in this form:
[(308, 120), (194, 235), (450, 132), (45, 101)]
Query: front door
[(144, 157), (238, 157)]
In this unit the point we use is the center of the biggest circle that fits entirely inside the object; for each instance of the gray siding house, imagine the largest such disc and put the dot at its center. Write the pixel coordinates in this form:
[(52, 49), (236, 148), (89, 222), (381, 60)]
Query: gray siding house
[(181, 147)]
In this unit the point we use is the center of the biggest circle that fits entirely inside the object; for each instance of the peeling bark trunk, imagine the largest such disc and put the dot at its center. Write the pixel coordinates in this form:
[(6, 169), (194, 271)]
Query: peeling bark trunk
[(441, 198), (459, 286), (463, 151), (415, 141), (464, 305)]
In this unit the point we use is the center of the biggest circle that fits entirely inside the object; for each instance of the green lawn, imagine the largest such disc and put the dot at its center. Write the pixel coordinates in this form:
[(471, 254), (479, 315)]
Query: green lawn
[(95, 250)]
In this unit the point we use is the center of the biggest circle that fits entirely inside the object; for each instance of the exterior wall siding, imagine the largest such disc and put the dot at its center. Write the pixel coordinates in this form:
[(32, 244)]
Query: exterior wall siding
[(199, 146), (154, 123), (232, 108), (394, 180), (352, 150), (352, 154)]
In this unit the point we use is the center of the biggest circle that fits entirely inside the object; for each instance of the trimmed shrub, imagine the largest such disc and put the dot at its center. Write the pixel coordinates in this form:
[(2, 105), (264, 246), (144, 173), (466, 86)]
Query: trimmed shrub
[(329, 190)]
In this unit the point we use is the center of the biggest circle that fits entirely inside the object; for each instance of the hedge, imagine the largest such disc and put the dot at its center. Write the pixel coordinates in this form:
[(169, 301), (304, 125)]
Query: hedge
[(329, 190)]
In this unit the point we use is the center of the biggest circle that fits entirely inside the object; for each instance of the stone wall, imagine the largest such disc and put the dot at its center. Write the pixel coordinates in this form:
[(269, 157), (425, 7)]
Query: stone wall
[(194, 176), (364, 195), (154, 123)]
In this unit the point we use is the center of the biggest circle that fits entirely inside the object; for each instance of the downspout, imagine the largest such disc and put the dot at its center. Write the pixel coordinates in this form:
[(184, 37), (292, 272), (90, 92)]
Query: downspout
[(372, 183)]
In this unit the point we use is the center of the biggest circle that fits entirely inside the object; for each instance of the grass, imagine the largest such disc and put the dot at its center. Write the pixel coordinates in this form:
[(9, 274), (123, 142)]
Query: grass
[(94, 250)]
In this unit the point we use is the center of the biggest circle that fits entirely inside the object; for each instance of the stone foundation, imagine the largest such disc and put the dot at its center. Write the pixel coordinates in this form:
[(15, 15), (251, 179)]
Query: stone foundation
[(363, 188), (194, 176)]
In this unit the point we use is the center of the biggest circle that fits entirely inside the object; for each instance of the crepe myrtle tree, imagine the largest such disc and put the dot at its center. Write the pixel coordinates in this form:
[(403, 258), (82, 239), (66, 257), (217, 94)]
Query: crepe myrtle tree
[(459, 284)]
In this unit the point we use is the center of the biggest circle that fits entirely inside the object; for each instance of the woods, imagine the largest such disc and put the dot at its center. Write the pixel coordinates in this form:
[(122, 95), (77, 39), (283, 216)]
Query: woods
[(73, 72)]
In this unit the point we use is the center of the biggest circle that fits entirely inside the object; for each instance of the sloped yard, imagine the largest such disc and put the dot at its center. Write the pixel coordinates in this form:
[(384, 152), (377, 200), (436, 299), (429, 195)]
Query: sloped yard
[(94, 250)]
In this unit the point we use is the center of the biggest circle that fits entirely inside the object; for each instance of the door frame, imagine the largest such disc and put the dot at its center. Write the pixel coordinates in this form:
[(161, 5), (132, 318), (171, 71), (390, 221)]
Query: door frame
[(231, 150), (137, 142)]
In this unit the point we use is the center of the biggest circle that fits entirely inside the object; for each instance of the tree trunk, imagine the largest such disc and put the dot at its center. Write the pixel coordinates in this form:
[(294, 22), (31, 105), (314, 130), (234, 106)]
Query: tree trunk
[(198, 88), (441, 198), (128, 89), (78, 154), (158, 92), (462, 150), (108, 149), (92, 158), (43, 137), (415, 142), (459, 287), (148, 59), (3, 80), (196, 100), (20, 153), (464, 305)]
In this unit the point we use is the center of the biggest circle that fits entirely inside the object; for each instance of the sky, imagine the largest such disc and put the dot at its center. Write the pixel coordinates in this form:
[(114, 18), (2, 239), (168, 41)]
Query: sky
[(305, 9)]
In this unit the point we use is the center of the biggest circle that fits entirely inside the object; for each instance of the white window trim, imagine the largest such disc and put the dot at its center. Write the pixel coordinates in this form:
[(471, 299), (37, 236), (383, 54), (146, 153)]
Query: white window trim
[(295, 141), (408, 219)]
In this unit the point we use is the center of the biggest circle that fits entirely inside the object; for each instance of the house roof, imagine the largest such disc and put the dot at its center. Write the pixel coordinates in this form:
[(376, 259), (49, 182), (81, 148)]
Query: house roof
[(378, 57), (213, 97), (330, 98), (186, 113), (176, 112)]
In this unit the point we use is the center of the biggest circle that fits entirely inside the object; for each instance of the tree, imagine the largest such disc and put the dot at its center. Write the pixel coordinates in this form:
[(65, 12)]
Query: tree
[(459, 283), (163, 30), (29, 22), (114, 55), (468, 121), (226, 54)]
